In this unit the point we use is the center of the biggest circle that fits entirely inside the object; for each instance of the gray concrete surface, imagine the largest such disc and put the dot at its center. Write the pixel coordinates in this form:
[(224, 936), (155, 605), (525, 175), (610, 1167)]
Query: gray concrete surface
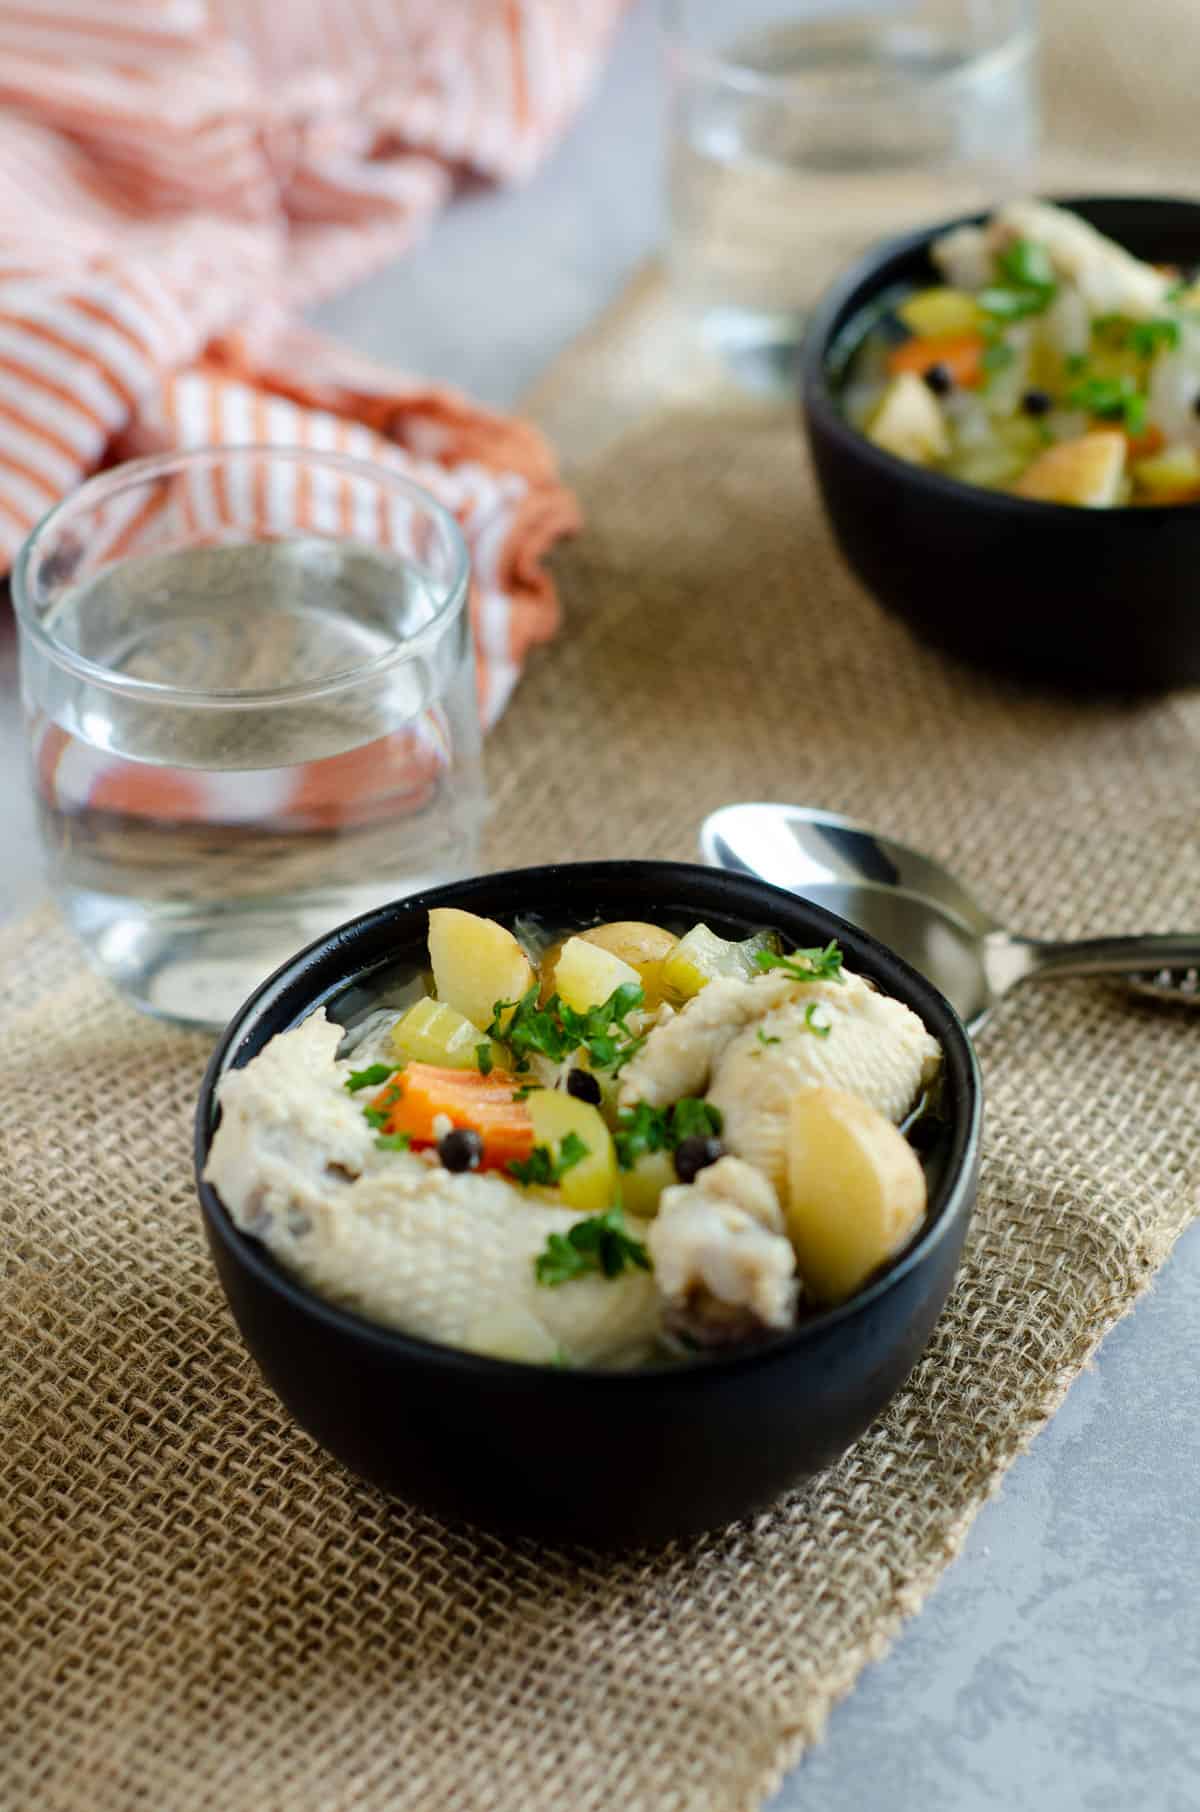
[(1057, 1667)]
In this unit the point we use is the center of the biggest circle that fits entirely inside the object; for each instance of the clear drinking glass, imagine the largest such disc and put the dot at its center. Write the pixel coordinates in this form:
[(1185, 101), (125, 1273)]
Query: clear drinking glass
[(249, 685), (801, 130)]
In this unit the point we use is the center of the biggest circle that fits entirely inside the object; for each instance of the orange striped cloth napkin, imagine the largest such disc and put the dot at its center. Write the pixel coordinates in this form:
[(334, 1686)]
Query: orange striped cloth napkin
[(176, 176)]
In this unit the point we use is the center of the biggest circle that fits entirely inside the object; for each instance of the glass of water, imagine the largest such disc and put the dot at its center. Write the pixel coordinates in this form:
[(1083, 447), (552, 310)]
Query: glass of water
[(249, 685), (801, 130)]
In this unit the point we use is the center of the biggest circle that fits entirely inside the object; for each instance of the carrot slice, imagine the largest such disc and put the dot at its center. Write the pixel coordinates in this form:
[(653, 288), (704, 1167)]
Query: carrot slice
[(422, 1093), (960, 353), (1151, 440)]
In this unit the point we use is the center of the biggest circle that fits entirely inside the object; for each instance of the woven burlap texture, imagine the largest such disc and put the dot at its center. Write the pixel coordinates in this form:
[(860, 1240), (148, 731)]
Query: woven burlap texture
[(201, 1611)]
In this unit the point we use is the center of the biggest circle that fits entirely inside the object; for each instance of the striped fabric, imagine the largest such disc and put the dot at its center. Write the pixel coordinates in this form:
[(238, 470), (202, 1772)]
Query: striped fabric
[(177, 175)]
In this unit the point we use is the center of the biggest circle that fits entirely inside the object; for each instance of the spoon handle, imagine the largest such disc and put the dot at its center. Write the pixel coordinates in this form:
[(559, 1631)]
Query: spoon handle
[(1009, 959)]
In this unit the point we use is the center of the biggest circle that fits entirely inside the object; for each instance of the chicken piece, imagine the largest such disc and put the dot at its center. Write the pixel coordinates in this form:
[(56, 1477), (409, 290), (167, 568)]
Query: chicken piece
[(394, 1236), (681, 1049), (1064, 332), (750, 1045), (842, 1035), (1110, 279), (1086, 471), (964, 257), (1173, 384), (722, 1260), (287, 1125)]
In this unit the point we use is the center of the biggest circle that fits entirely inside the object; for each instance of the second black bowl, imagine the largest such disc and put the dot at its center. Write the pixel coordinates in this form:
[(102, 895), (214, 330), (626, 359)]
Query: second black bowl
[(1087, 600), (613, 1458)]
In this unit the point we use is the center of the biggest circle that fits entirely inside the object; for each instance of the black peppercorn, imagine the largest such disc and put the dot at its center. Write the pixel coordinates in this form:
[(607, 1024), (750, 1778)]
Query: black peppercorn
[(1037, 402), (460, 1149), (694, 1155), (939, 379), (1196, 403), (583, 1085)]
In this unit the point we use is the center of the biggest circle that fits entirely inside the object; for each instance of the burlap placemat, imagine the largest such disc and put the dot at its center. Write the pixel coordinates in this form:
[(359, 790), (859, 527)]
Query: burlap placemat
[(201, 1612)]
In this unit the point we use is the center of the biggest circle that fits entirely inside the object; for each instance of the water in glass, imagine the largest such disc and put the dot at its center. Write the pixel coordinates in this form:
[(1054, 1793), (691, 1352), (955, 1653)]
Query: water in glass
[(198, 836), (799, 140)]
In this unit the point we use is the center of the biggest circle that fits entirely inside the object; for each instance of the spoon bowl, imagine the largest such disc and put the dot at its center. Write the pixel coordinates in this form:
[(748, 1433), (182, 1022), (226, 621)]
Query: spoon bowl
[(911, 903)]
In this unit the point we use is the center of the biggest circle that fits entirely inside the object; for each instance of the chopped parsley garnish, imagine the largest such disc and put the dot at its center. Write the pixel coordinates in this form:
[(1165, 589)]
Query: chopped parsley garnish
[(1012, 304), (1108, 326), (393, 1141), (806, 965), (600, 1244), (1140, 337), (1027, 264), (642, 1128), (1027, 285), (763, 1038), (371, 1077), (1111, 399), (483, 1057), (1075, 364), (691, 1119), (377, 1113), (571, 1151), (1136, 410), (531, 1028), (1145, 337), (555, 1029), (538, 1167), (821, 1027), (542, 1167)]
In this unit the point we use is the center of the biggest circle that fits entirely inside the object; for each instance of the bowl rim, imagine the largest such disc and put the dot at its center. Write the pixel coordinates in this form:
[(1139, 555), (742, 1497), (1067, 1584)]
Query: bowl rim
[(959, 1183), (819, 402)]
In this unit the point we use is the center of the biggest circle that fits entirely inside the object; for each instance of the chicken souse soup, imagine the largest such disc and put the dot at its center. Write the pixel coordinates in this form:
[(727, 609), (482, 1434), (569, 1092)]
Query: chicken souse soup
[(623, 1145), (1044, 360)]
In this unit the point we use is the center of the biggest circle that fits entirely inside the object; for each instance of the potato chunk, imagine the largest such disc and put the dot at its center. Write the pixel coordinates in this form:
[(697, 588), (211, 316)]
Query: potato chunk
[(475, 963), (585, 975), (1172, 476), (591, 1184), (1085, 471), (909, 421), (640, 945), (856, 1190), (934, 312)]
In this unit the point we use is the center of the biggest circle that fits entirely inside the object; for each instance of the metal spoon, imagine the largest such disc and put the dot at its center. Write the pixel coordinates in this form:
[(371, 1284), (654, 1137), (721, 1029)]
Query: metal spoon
[(912, 903)]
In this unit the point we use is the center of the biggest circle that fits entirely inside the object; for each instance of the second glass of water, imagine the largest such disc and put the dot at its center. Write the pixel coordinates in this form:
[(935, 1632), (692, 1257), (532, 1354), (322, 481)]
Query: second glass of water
[(801, 130), (249, 685)]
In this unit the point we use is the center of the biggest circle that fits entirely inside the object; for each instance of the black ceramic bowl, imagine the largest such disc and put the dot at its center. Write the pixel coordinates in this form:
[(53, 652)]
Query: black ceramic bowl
[(608, 1458), (1087, 600)]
